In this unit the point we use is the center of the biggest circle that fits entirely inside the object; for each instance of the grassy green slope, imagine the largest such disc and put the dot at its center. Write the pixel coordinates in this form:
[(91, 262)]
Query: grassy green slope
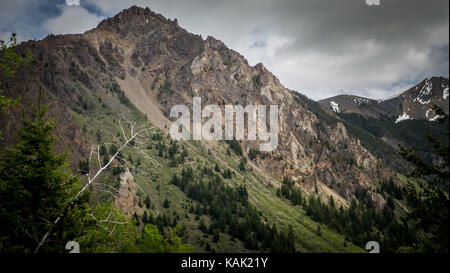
[(99, 115)]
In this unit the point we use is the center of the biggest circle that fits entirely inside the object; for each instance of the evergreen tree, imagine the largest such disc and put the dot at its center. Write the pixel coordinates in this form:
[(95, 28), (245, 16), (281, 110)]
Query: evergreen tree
[(173, 150), (166, 203), (83, 165), (147, 202), (136, 219), (145, 217), (202, 225), (103, 150), (429, 200), (252, 154), (216, 236), (208, 247), (242, 164), (36, 187), (235, 146), (9, 63), (113, 149)]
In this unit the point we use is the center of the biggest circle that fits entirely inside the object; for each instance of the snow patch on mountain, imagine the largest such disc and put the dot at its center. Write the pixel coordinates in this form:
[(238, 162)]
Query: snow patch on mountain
[(435, 118), (402, 117), (360, 101), (334, 106), (425, 93)]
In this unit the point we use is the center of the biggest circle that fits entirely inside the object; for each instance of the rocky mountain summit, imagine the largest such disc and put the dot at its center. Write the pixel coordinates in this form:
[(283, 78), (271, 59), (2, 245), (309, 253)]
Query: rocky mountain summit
[(158, 65)]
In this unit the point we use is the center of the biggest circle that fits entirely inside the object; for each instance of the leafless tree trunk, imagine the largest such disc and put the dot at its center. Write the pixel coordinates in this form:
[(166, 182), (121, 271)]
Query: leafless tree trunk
[(90, 180)]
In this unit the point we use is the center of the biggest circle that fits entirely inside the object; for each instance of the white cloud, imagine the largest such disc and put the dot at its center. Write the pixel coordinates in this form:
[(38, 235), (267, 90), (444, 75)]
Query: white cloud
[(73, 19), (261, 47), (73, 2)]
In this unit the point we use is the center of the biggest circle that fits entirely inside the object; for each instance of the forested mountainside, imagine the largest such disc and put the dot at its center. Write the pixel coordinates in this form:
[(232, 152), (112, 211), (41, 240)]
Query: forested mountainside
[(330, 186)]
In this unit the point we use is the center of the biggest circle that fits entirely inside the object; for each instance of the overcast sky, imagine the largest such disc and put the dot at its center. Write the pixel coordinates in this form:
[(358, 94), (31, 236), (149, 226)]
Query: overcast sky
[(320, 48)]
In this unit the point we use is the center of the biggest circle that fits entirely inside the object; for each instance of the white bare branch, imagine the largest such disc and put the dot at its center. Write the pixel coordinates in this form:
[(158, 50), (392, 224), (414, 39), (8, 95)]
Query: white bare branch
[(109, 186), (98, 157), (146, 155), (107, 221), (135, 169), (107, 191), (91, 180), (121, 128), (100, 170)]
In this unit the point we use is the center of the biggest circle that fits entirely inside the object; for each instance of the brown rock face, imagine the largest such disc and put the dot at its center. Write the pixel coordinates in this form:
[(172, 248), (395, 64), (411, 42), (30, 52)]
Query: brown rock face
[(127, 200), (158, 65)]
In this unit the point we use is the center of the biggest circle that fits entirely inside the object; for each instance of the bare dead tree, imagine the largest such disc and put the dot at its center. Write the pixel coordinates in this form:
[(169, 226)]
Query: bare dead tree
[(134, 133)]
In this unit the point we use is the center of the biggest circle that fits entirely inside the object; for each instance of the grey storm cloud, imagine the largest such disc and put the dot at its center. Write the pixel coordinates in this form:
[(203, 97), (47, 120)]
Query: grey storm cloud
[(317, 47)]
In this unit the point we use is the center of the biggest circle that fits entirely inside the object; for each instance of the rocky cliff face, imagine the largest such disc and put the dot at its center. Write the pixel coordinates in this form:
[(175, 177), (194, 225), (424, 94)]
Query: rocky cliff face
[(418, 100), (170, 66), (158, 64)]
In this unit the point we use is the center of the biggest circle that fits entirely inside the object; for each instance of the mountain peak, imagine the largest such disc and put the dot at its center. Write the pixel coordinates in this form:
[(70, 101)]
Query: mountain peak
[(133, 18), (414, 103), (136, 11)]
